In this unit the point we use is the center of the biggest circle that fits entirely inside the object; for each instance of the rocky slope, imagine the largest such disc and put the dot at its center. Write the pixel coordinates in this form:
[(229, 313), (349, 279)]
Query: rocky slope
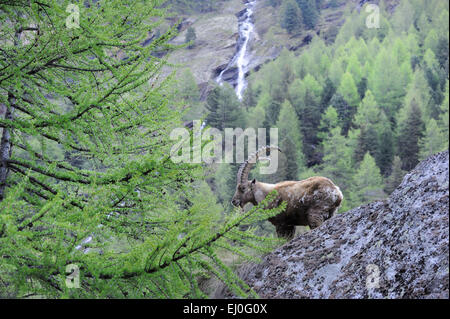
[(397, 248)]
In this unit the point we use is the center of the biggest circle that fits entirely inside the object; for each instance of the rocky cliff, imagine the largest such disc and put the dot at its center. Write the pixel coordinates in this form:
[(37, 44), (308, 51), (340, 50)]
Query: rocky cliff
[(397, 248)]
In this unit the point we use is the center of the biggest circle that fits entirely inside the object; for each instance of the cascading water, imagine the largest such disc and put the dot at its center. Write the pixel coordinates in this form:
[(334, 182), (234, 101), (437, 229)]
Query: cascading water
[(240, 59)]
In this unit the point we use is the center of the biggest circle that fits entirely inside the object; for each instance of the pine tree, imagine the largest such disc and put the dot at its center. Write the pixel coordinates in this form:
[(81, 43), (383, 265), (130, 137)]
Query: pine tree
[(385, 154), (249, 98), (328, 91), (337, 158), (410, 132), (433, 141), (291, 16), (396, 176), (224, 108), (305, 96), (420, 91), (344, 111), (367, 142), (225, 183), (362, 87), (375, 134), (310, 12), (367, 182), (290, 141), (329, 121), (288, 168)]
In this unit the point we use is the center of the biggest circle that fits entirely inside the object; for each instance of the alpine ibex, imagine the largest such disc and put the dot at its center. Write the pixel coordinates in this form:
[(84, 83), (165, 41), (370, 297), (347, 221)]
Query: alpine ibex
[(309, 202)]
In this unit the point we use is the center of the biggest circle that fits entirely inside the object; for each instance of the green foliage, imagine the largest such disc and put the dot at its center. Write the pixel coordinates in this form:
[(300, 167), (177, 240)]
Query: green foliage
[(396, 176), (87, 178), (291, 16), (388, 81), (344, 111), (310, 13), (305, 96), (86, 114), (367, 182), (329, 121), (337, 158), (410, 132), (224, 108), (433, 140), (355, 96), (290, 142), (187, 87), (376, 136), (190, 37), (348, 90), (225, 181)]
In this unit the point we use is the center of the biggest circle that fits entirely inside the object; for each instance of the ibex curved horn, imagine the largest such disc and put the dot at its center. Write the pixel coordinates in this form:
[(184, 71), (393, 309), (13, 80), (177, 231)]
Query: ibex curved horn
[(244, 169)]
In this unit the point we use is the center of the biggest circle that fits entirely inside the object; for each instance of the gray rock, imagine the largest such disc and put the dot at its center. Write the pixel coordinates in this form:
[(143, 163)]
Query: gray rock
[(397, 248)]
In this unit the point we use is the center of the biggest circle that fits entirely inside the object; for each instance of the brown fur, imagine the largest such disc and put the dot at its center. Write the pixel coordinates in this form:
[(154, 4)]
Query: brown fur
[(309, 202)]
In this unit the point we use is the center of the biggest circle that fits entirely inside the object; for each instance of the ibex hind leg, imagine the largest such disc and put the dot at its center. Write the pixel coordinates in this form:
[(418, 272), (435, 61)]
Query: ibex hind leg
[(285, 231)]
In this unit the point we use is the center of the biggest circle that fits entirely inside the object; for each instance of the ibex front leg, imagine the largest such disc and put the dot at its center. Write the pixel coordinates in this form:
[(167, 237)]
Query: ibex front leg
[(285, 231)]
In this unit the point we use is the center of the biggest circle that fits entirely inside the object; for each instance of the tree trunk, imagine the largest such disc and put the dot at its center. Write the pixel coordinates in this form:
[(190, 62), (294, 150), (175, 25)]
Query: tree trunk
[(6, 147)]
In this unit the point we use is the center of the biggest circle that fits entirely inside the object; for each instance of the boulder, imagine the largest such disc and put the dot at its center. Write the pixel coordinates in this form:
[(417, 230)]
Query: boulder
[(396, 248)]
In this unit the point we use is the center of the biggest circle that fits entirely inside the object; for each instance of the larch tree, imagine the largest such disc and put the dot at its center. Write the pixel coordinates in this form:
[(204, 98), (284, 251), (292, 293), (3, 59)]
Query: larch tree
[(388, 81), (86, 176), (349, 91)]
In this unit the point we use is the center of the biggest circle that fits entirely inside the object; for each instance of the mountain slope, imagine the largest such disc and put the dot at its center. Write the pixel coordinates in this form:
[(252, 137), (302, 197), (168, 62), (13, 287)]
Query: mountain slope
[(396, 248), (217, 36)]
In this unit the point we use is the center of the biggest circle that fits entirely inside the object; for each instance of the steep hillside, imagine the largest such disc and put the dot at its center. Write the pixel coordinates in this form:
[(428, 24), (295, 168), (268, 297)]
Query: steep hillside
[(396, 248), (215, 45), (217, 36)]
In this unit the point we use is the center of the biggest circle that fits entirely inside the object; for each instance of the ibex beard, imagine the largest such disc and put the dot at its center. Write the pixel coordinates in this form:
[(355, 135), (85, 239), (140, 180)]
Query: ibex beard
[(309, 202)]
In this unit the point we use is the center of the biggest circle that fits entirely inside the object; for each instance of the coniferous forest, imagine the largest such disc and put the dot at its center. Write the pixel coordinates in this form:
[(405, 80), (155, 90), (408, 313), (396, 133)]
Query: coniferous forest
[(89, 98)]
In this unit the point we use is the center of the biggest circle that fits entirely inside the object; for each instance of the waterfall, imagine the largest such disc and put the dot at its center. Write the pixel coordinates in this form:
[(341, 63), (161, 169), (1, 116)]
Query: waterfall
[(241, 60)]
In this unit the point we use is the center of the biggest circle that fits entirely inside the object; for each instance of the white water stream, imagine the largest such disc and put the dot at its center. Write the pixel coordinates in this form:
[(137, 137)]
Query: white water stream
[(241, 58)]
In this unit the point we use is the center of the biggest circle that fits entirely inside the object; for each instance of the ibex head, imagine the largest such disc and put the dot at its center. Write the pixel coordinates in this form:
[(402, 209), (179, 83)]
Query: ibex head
[(245, 189)]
